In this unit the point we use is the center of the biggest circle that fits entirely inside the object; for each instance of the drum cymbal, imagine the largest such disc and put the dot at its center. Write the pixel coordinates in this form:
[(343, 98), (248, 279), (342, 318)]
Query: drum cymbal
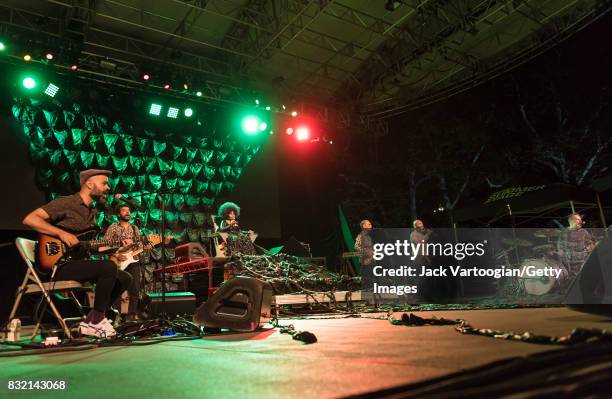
[(545, 233), (517, 242), (543, 248)]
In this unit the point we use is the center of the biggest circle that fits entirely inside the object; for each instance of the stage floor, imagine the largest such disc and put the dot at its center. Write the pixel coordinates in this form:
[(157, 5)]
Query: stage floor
[(352, 355)]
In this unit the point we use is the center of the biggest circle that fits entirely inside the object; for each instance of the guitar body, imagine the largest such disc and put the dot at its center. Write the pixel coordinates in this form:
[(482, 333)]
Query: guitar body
[(50, 250), (131, 251)]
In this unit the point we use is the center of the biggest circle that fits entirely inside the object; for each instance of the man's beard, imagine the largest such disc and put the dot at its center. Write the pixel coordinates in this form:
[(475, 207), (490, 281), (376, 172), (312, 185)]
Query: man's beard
[(126, 218), (100, 198)]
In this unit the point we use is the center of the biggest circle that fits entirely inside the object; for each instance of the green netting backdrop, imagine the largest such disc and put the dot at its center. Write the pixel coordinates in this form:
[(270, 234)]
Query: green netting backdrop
[(194, 170)]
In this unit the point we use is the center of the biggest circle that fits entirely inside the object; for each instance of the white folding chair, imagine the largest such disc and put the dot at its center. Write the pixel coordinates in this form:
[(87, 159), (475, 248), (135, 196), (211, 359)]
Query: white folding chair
[(32, 284)]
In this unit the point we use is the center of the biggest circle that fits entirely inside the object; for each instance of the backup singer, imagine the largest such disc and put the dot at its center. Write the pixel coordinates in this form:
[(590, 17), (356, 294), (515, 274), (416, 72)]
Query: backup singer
[(63, 218)]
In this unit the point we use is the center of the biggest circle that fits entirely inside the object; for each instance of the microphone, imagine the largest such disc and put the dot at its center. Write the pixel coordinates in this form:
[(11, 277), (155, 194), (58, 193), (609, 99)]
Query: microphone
[(127, 200)]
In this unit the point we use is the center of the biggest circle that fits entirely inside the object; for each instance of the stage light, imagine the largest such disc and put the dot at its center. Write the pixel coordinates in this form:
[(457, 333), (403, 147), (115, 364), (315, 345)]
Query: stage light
[(268, 108), (146, 76), (185, 86), (172, 112), (303, 133), (2, 46), (155, 109), (27, 57), (250, 124), (290, 131), (294, 113), (263, 126), (167, 86), (257, 102), (51, 90), (49, 56), (74, 67), (199, 94), (284, 108), (29, 83), (188, 112)]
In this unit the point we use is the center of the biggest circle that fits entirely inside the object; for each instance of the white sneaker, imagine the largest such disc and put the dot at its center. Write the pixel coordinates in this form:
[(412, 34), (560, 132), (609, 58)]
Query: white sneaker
[(103, 329)]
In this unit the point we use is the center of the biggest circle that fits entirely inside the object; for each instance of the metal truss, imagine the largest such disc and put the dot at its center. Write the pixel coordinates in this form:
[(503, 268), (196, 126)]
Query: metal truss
[(450, 46)]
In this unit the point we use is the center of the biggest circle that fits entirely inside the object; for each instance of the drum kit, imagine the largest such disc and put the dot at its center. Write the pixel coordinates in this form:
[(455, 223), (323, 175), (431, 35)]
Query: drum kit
[(542, 257)]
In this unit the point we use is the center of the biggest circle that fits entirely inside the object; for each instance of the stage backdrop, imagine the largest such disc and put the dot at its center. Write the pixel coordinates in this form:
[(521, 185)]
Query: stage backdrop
[(194, 172)]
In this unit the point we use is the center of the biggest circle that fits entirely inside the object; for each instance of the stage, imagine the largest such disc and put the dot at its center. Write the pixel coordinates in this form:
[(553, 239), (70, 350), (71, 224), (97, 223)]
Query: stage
[(353, 356)]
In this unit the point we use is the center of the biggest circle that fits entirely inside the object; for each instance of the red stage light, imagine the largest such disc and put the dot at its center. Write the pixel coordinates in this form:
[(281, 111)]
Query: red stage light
[(303, 133), (49, 56), (289, 130), (146, 76), (74, 67), (166, 86)]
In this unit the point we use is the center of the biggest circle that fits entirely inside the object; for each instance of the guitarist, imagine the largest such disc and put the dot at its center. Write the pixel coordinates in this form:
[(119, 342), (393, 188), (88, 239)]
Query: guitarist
[(128, 233), (62, 218)]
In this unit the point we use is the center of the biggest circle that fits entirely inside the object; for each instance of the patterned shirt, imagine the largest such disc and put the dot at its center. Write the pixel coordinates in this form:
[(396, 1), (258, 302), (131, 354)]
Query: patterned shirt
[(116, 232), (71, 213)]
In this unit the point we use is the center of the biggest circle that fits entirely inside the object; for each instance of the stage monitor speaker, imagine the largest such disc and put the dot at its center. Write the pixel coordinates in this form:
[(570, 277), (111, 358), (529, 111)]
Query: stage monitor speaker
[(190, 251), (240, 304), (593, 285), (177, 304)]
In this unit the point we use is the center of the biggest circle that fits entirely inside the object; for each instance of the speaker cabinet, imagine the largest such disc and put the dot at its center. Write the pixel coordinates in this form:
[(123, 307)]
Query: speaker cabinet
[(177, 304), (240, 304)]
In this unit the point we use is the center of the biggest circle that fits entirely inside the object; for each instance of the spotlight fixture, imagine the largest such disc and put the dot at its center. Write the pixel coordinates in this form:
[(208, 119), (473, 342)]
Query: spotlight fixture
[(289, 131), (29, 83), (392, 5), (268, 108), (188, 112), (185, 86), (146, 76), (155, 109), (74, 67), (294, 113), (27, 57), (199, 94), (263, 126), (51, 90), (49, 56), (172, 112), (167, 86), (257, 101), (2, 46), (303, 133)]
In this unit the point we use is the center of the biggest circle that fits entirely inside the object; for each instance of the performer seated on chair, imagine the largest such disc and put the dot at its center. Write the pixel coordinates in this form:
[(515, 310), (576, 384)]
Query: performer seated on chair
[(63, 217), (128, 234), (237, 241)]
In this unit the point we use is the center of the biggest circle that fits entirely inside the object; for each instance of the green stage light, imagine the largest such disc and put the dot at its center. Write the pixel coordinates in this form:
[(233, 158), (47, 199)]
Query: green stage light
[(29, 83), (188, 112), (2, 46), (155, 109), (250, 124), (172, 112), (199, 94), (263, 126), (51, 90)]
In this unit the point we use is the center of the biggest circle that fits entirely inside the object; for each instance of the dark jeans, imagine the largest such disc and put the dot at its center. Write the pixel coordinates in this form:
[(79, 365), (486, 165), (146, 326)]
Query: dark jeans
[(135, 270), (110, 281)]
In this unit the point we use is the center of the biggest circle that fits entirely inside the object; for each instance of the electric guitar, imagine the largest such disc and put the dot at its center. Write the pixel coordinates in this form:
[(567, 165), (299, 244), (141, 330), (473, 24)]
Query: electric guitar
[(50, 250), (131, 251)]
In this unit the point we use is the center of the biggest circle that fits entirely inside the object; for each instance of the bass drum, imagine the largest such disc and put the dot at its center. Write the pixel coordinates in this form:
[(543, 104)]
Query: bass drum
[(542, 285)]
